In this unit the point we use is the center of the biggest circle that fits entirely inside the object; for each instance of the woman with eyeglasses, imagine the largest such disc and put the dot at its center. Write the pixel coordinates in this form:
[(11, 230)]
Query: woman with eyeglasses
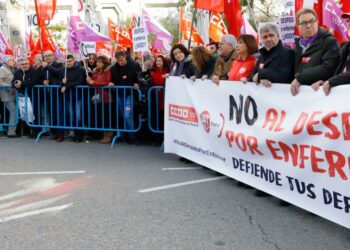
[(316, 52)]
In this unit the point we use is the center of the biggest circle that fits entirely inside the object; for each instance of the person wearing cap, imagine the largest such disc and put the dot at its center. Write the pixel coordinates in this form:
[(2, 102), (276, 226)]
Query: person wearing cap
[(275, 63), (342, 73), (227, 54), (8, 94), (316, 52)]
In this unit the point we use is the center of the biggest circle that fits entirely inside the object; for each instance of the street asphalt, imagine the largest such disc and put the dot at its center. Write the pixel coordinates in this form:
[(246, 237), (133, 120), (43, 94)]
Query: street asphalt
[(103, 206)]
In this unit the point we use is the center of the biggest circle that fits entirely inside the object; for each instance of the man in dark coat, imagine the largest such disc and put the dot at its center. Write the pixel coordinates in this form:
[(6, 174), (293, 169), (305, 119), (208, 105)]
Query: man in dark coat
[(54, 101), (72, 77), (24, 77), (125, 73), (276, 62), (23, 80)]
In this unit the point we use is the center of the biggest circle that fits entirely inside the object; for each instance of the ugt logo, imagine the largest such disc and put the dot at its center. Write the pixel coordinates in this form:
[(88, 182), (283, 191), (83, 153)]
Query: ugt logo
[(205, 119)]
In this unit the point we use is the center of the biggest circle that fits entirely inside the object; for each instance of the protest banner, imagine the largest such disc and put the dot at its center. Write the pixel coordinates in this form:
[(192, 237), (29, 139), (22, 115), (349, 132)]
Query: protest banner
[(18, 51), (287, 23), (140, 39), (293, 147), (87, 48)]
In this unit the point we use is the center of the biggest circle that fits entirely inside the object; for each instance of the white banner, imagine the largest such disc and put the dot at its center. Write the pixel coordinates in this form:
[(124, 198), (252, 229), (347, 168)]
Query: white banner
[(140, 39), (295, 148), (287, 23), (87, 48)]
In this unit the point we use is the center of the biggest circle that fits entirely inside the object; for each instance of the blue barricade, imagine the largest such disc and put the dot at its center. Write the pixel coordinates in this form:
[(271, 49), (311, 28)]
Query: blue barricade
[(108, 109), (156, 96), (9, 112)]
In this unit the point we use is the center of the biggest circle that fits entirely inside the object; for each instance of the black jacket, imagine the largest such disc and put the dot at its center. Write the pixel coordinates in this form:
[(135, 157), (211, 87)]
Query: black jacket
[(188, 69), (53, 73), (126, 75), (318, 61), (275, 65), (208, 68), (75, 76), (28, 80), (342, 77), (38, 75)]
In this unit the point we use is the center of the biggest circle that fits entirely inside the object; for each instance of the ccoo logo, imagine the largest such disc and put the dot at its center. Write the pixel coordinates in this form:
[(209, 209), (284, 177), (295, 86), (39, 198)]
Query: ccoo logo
[(205, 119)]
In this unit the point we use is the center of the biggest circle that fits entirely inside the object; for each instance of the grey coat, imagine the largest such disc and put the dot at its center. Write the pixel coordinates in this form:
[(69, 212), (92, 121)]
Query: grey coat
[(7, 93)]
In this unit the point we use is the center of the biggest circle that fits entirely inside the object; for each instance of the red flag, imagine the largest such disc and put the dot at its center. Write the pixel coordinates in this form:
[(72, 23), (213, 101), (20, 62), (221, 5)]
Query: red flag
[(9, 49), (47, 41), (185, 28), (104, 49), (112, 30), (33, 50), (217, 27), (318, 8), (299, 4), (45, 10), (133, 24), (345, 5), (212, 5), (123, 38), (233, 15), (120, 35)]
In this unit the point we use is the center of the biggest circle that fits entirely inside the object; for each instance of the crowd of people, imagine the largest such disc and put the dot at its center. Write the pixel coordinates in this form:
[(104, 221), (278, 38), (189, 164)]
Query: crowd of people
[(317, 60)]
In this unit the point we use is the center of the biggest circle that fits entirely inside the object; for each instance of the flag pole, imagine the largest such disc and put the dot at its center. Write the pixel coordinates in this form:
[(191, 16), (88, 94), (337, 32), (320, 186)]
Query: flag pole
[(39, 29), (67, 45), (190, 38), (252, 13), (141, 23)]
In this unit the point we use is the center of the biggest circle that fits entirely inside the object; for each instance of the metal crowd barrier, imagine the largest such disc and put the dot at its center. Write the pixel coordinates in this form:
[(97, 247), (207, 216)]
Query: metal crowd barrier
[(156, 109), (108, 109), (8, 107), (156, 102)]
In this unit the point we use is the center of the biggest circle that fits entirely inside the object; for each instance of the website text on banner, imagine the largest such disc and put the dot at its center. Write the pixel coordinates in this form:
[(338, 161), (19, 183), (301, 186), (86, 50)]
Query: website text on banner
[(295, 148)]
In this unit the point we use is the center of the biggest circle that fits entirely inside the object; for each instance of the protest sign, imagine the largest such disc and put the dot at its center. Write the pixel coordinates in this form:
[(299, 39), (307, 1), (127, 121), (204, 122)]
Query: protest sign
[(293, 147)]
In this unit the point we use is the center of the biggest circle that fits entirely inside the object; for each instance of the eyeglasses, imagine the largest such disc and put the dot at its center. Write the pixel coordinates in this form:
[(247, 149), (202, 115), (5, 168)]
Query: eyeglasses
[(24, 64), (305, 23), (47, 55)]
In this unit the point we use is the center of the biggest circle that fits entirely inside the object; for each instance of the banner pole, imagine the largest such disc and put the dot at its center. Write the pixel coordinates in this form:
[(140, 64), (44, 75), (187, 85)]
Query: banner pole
[(141, 23), (39, 28), (67, 46), (190, 38), (252, 14)]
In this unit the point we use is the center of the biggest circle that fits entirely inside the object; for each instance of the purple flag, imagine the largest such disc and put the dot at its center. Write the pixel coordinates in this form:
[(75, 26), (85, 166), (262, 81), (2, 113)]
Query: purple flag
[(332, 18), (4, 45), (162, 38), (79, 32)]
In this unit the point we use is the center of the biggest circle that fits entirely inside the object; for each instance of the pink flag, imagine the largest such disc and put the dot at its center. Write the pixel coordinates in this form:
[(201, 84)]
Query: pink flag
[(79, 32), (162, 38), (332, 18), (4, 45), (248, 29)]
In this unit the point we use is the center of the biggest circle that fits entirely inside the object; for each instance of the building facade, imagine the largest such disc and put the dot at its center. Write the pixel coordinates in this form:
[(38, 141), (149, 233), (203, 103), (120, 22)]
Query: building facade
[(18, 16)]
